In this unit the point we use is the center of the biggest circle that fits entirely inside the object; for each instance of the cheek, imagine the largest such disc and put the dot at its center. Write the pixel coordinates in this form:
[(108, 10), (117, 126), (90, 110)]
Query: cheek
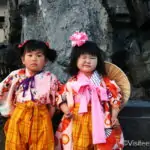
[(22, 60), (43, 62), (42, 59), (78, 63), (95, 64)]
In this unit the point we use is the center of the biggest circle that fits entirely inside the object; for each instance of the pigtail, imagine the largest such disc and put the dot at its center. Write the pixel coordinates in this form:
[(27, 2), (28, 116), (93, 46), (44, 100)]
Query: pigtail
[(19, 48), (32, 44), (52, 55)]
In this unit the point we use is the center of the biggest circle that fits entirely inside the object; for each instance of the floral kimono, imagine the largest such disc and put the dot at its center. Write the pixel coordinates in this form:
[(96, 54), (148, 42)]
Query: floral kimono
[(91, 102), (24, 99)]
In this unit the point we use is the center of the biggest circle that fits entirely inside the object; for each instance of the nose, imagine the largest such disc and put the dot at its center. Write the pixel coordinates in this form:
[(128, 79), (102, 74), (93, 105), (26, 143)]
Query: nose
[(87, 60), (34, 58)]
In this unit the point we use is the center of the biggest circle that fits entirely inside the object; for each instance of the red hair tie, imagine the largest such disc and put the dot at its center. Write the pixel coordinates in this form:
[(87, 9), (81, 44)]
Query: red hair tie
[(47, 44), (22, 44)]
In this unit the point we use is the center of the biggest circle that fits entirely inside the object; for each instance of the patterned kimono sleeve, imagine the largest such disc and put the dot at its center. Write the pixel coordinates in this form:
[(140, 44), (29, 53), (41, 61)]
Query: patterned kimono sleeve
[(66, 93), (54, 88), (114, 93), (5, 86), (61, 97)]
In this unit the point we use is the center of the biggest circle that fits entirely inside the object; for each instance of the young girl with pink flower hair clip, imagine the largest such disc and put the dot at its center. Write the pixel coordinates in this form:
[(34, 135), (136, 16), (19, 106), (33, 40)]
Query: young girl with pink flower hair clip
[(93, 99)]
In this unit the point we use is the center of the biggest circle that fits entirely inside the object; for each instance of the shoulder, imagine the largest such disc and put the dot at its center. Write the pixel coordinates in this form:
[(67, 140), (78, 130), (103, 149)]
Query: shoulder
[(111, 84), (18, 71), (73, 78), (107, 80), (13, 76), (50, 75)]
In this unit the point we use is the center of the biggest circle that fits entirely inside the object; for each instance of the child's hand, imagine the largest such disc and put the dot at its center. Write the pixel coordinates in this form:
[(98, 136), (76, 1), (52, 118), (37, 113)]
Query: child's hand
[(66, 111), (115, 121), (114, 118), (68, 115)]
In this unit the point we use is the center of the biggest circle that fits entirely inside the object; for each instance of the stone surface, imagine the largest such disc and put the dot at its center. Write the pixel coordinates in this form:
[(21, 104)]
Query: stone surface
[(14, 22), (55, 21), (135, 122), (131, 53), (139, 12), (7, 64), (109, 23)]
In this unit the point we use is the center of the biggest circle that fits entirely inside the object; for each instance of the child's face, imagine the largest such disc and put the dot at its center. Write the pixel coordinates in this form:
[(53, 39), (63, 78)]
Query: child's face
[(34, 61), (87, 63)]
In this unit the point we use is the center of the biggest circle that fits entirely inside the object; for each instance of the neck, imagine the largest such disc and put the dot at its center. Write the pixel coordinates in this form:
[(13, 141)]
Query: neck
[(87, 74), (30, 73)]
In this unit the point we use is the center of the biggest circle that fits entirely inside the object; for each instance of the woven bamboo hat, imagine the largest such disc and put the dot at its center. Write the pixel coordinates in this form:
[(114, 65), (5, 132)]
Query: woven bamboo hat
[(116, 74)]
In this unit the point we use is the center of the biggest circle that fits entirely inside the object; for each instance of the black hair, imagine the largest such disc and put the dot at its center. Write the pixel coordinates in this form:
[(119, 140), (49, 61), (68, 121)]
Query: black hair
[(88, 47), (33, 45)]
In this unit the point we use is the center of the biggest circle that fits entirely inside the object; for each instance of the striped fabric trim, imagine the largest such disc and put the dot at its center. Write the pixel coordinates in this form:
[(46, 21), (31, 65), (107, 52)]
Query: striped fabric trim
[(96, 78), (108, 132)]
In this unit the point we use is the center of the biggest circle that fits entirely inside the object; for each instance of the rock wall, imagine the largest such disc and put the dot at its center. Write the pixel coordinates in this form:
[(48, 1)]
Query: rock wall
[(113, 24), (55, 21)]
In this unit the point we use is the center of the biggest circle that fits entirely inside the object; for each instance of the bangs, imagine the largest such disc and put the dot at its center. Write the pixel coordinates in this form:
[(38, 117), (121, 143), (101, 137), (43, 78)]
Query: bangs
[(86, 51), (88, 48), (33, 45)]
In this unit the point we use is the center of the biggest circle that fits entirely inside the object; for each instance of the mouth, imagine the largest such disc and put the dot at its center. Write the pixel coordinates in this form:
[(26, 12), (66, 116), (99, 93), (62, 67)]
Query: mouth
[(87, 66), (33, 64)]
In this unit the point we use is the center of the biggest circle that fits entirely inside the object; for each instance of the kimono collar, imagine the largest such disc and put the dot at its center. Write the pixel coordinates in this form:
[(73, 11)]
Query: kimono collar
[(29, 82)]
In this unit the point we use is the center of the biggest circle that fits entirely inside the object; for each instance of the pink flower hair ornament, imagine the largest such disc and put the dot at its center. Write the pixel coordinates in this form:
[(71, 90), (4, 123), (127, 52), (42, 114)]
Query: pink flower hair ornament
[(78, 38)]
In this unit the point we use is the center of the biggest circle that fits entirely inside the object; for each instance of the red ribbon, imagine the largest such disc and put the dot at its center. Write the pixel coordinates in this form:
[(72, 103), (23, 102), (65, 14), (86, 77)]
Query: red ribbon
[(47, 44), (22, 44)]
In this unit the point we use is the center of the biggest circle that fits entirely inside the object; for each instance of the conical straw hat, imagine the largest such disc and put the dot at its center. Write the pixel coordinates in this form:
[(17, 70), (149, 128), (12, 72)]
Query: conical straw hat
[(116, 74)]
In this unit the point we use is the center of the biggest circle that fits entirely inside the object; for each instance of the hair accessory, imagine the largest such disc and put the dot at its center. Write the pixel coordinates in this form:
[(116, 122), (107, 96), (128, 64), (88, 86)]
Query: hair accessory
[(47, 44), (22, 44), (78, 38)]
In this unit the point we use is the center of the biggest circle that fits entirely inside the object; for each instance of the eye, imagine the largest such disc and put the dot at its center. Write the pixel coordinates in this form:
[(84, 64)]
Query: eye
[(29, 55), (83, 57), (92, 57), (39, 55)]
